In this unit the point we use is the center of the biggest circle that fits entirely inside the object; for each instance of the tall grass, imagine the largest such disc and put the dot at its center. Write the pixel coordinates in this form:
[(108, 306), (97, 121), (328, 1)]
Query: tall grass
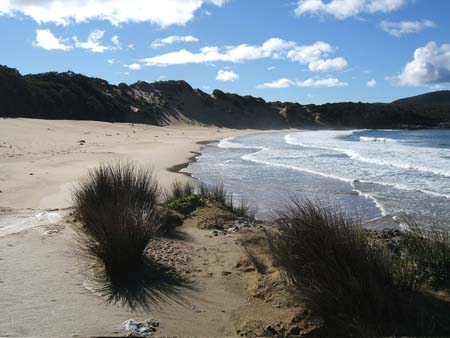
[(180, 189), (356, 286), (218, 194), (116, 203), (429, 247)]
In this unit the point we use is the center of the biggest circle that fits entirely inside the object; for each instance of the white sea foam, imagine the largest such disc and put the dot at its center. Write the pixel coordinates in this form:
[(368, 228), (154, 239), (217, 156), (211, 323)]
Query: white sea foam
[(398, 156), (20, 220)]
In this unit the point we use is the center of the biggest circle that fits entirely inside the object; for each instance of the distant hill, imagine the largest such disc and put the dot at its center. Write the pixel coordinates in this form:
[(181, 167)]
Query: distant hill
[(74, 96), (435, 98)]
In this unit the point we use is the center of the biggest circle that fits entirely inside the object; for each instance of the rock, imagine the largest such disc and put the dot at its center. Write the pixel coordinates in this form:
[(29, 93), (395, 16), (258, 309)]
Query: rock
[(293, 331), (270, 329)]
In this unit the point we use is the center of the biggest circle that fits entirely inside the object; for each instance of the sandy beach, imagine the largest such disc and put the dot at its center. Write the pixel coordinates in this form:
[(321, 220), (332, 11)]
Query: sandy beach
[(42, 280)]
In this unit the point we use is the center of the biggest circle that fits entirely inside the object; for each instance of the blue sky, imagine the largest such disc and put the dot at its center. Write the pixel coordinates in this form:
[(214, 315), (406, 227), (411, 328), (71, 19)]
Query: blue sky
[(309, 51)]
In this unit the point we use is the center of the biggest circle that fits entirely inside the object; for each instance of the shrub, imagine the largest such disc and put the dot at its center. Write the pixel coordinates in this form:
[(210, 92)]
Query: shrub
[(352, 283), (186, 204), (116, 204), (429, 248)]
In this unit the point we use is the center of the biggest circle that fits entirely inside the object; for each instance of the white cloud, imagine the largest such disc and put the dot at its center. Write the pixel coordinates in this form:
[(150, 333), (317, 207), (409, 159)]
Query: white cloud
[(285, 83), (343, 9), (46, 40), (63, 12), (372, 83), (315, 56), (405, 27), (158, 43), (271, 68), (134, 66), (431, 66), (281, 83), (93, 42), (111, 61), (116, 42), (227, 76)]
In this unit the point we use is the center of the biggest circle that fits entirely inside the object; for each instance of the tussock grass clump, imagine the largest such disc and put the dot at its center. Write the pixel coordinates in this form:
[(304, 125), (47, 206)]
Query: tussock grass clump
[(180, 189), (357, 287), (218, 194), (256, 260), (428, 246), (116, 203)]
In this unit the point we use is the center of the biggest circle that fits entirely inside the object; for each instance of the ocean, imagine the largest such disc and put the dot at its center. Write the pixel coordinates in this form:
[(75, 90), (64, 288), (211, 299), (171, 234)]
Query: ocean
[(368, 173)]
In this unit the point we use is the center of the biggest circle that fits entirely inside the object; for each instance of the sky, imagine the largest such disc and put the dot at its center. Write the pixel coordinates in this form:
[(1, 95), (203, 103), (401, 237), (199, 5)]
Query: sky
[(307, 51)]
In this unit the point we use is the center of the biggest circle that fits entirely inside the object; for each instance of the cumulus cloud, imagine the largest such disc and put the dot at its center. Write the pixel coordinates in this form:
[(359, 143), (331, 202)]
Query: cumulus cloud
[(158, 43), (227, 76), (431, 66), (315, 55), (93, 42), (372, 83), (343, 9), (285, 83), (46, 40), (405, 27), (134, 66), (63, 12)]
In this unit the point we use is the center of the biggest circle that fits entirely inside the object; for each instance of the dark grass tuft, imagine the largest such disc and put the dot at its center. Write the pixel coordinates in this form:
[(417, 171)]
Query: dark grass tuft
[(117, 207), (428, 246), (180, 189), (256, 260), (356, 286), (218, 194)]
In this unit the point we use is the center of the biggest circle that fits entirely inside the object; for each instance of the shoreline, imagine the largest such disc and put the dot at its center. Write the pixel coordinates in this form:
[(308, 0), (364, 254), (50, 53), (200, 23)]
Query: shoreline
[(177, 167)]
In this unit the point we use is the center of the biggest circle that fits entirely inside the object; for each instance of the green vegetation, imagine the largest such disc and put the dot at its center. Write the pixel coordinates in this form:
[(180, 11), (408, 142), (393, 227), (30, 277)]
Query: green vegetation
[(180, 189), (355, 285), (428, 246), (73, 96), (186, 204), (217, 194)]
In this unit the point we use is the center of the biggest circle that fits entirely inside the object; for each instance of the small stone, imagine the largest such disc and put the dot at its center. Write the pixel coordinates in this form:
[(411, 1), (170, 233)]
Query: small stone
[(270, 329), (293, 330)]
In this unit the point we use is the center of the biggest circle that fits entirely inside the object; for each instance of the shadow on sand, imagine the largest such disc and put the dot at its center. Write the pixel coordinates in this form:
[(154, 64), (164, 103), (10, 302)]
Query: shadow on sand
[(145, 286)]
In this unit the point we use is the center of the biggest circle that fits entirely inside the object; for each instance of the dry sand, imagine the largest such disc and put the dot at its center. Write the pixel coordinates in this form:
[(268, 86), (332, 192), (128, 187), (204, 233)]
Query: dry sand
[(40, 159), (41, 280)]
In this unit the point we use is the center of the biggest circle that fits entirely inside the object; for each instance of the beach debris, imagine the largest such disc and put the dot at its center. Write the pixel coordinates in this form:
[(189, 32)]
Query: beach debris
[(196, 309), (233, 229), (243, 222), (144, 329)]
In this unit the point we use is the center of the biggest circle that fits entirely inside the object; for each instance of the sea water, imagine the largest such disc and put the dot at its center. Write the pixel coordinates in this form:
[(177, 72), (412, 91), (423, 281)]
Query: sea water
[(369, 173)]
